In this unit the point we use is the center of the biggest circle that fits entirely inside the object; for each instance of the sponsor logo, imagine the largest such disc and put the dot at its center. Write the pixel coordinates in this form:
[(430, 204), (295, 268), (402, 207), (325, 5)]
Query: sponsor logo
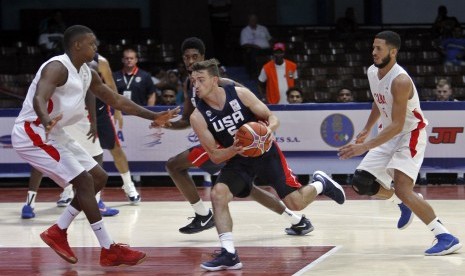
[(445, 135), (156, 138), (5, 142), (337, 130)]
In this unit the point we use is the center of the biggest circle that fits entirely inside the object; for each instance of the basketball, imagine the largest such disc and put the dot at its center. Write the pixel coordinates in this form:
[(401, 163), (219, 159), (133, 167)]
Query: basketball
[(255, 139)]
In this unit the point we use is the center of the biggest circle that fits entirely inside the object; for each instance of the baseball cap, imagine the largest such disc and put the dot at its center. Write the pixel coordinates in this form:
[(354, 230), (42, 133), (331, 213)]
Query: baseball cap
[(279, 47)]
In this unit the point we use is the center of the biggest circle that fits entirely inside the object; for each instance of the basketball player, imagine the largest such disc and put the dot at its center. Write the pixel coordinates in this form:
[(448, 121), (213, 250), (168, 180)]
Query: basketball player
[(55, 99), (397, 152), (236, 106), (193, 50)]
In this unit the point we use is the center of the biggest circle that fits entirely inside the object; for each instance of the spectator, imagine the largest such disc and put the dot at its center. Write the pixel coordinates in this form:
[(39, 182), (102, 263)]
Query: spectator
[(444, 91), (453, 48), (173, 82), (168, 96), (255, 40), (158, 79), (344, 96), (294, 95), (444, 24), (277, 76), (347, 25), (133, 82), (51, 40)]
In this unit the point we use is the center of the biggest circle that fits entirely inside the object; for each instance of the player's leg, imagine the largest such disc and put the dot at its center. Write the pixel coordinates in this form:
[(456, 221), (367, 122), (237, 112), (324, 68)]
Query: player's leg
[(104, 210), (34, 182)]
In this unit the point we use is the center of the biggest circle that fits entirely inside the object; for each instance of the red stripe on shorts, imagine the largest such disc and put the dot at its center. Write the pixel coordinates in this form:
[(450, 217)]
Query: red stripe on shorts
[(416, 133), (291, 179), (198, 156), (117, 142), (37, 141)]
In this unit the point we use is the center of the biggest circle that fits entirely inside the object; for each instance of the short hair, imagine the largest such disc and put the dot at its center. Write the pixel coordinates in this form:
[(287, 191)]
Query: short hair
[(211, 65), (72, 33), (443, 82), (294, 89), (392, 38), (193, 43), (131, 50)]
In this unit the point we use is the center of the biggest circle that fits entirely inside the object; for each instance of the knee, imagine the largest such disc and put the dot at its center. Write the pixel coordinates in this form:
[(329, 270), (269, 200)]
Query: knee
[(219, 194), (171, 165), (364, 183)]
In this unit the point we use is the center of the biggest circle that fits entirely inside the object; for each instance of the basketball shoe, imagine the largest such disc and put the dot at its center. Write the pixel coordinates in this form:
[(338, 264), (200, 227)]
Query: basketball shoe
[(120, 254), (131, 193), (302, 228), (66, 196), (198, 224), (223, 261), (331, 188), (27, 212), (406, 215), (106, 211), (446, 244), (57, 239)]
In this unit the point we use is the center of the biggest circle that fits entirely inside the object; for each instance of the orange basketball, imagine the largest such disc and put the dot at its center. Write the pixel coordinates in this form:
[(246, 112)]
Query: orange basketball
[(255, 139)]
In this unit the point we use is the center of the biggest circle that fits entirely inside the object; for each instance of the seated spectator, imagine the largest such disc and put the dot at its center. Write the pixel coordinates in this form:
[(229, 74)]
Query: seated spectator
[(255, 41), (444, 25), (294, 95), (444, 91), (51, 41), (168, 96), (277, 76), (173, 81), (453, 48), (344, 96)]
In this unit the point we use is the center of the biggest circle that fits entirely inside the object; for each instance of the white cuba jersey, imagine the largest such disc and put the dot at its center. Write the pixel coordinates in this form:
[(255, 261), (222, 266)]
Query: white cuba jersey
[(381, 91), (68, 99)]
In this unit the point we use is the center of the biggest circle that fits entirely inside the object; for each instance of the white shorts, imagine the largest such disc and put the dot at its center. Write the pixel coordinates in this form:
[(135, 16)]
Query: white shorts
[(60, 157), (79, 131), (404, 153)]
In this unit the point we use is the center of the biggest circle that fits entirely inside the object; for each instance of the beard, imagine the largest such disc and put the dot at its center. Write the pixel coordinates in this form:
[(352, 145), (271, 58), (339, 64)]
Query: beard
[(385, 61)]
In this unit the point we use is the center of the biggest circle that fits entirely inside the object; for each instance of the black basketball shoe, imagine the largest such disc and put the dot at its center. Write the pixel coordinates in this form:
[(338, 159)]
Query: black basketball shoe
[(198, 224), (302, 228)]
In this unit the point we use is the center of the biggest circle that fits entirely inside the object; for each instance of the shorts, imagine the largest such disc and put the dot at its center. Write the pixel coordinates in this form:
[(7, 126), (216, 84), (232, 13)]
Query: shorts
[(404, 153), (106, 130), (239, 173), (200, 158), (61, 158), (79, 131)]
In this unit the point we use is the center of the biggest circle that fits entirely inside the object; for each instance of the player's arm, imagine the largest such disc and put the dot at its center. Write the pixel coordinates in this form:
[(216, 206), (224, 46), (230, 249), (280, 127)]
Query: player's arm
[(53, 75), (117, 101), (90, 105), (187, 110), (107, 75), (258, 107), (217, 155), (372, 119)]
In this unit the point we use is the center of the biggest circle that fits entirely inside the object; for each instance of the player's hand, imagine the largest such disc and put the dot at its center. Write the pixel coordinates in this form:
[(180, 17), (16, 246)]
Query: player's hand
[(92, 134), (51, 124), (237, 147), (163, 117), (351, 150), (360, 138), (118, 116)]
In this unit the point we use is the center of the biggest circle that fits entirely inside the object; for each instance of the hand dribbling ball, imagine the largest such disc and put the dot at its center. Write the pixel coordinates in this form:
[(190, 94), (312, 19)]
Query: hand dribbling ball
[(255, 139)]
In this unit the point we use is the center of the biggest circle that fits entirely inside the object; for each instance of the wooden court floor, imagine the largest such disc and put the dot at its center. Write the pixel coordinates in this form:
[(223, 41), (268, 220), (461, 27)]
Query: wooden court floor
[(357, 238)]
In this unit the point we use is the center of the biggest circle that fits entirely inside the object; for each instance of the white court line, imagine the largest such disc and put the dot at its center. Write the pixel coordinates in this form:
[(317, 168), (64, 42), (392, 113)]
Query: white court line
[(317, 261)]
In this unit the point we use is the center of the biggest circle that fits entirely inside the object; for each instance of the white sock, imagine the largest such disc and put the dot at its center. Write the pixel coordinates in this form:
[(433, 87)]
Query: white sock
[(31, 199), (97, 196), (67, 217), (126, 177), (318, 186), (68, 188), (200, 208), (227, 242), (102, 234), (291, 216), (437, 228), (394, 199)]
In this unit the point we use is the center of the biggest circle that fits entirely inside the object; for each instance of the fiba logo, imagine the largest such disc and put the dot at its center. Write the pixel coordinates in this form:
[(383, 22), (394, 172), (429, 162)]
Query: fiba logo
[(192, 137), (337, 130)]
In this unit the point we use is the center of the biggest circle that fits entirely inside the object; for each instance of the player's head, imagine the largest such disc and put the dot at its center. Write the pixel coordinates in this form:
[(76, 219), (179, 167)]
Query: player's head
[(205, 76), (385, 48), (193, 50), (82, 40)]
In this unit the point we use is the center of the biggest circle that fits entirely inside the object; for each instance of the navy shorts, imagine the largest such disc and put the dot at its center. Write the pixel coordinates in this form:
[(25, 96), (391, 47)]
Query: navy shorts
[(106, 130)]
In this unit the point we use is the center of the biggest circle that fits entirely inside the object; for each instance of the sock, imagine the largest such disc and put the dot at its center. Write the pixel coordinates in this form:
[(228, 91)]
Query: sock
[(291, 216), (200, 208), (97, 196), (126, 177), (318, 186), (102, 234), (31, 198), (437, 228), (67, 217), (394, 199), (227, 242)]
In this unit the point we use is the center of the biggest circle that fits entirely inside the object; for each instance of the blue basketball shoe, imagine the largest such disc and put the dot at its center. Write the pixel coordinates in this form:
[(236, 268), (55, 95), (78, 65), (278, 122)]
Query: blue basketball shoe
[(106, 211), (27, 212), (446, 244), (331, 188), (223, 261), (406, 215)]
